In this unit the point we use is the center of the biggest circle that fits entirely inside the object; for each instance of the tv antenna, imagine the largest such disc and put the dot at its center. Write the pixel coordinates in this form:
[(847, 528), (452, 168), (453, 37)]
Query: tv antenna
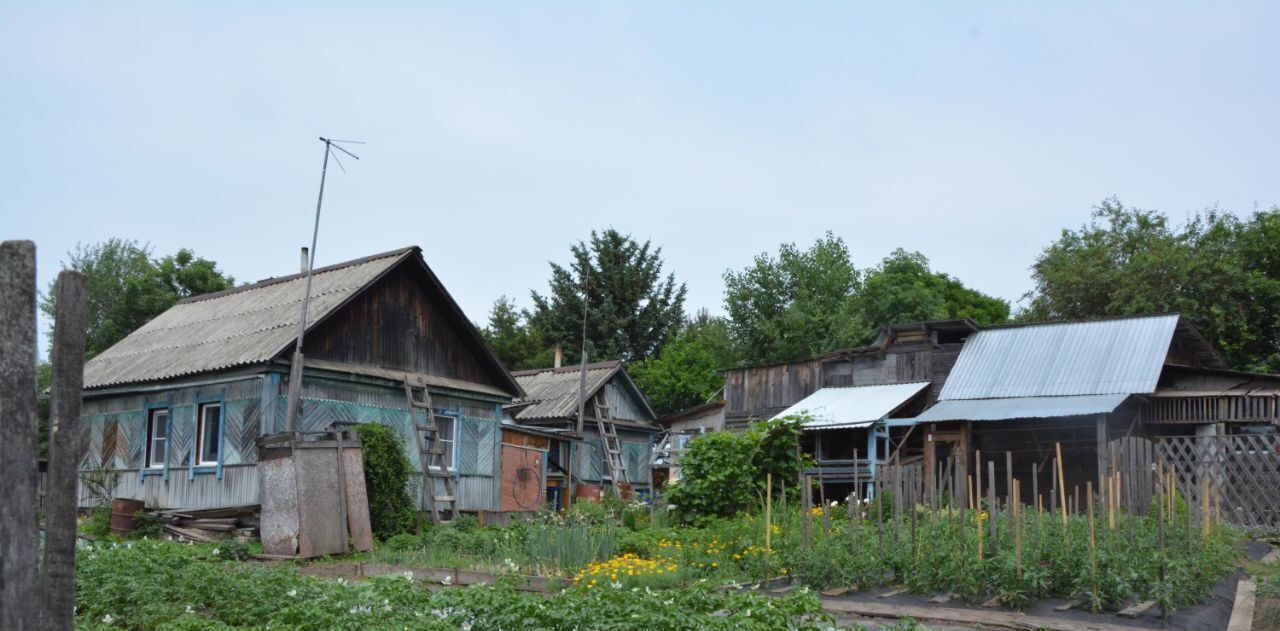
[(295, 369)]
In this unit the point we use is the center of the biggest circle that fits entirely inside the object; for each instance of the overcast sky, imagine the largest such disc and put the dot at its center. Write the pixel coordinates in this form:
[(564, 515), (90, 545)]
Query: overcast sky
[(498, 133)]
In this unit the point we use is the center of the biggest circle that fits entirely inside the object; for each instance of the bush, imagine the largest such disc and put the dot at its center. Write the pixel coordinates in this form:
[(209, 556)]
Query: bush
[(388, 480)]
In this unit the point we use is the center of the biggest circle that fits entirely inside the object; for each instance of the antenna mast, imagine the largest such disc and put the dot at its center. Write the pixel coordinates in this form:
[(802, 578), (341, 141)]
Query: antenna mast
[(582, 373), (295, 369)]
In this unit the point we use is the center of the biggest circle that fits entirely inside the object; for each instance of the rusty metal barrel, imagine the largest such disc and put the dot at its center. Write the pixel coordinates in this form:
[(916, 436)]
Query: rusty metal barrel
[(122, 510)]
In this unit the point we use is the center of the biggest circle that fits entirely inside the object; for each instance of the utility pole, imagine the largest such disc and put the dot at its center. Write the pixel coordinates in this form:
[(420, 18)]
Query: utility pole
[(295, 369)]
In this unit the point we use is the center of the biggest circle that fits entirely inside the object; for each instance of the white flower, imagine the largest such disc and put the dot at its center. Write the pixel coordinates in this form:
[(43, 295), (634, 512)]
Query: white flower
[(408, 574), (190, 610), (616, 584), (216, 551), (448, 580), (293, 593), (342, 581), (106, 619)]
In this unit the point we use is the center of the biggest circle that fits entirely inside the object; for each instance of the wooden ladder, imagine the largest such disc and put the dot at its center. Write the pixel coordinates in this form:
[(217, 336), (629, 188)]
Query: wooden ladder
[(433, 463), (609, 440)]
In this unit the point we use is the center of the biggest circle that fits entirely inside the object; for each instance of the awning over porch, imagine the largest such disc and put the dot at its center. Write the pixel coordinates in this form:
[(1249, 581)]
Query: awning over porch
[(1021, 407), (854, 406)]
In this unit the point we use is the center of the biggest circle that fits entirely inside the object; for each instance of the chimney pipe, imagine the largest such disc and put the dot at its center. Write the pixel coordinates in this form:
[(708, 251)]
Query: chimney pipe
[(306, 260), (559, 355)]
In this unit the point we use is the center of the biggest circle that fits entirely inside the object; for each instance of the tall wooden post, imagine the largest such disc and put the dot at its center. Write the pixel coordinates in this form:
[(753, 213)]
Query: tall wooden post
[(19, 541), (64, 451), (930, 462), (1102, 451)]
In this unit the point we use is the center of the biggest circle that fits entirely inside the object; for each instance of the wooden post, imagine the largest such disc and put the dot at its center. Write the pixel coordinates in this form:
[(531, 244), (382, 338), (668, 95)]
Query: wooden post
[(1062, 487), (19, 602), (1093, 549), (806, 504), (1101, 427), (64, 450), (978, 518), (977, 479), (1008, 478), (1015, 510), (991, 498), (930, 464), (1204, 508), (768, 511)]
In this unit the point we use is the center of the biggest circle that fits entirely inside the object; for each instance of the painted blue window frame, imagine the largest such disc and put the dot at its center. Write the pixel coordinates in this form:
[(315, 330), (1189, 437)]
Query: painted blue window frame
[(148, 407), (197, 404)]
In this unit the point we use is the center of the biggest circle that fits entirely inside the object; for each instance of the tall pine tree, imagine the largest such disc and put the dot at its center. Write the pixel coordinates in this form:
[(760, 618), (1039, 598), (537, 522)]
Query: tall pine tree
[(631, 307)]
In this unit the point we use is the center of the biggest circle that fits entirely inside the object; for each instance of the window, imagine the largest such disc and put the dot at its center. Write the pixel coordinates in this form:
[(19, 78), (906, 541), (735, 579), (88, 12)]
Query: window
[(157, 438), (444, 435), (208, 434)]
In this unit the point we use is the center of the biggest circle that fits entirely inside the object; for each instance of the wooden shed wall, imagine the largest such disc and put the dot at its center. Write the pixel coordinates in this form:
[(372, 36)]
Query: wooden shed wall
[(396, 324)]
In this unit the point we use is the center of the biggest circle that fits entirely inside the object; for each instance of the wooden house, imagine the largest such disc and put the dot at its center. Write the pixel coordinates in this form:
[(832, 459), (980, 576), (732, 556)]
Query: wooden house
[(174, 409), (577, 456)]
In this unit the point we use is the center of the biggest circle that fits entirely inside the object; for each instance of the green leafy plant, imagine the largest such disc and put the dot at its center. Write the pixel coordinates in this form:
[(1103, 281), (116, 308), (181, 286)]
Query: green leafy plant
[(389, 480)]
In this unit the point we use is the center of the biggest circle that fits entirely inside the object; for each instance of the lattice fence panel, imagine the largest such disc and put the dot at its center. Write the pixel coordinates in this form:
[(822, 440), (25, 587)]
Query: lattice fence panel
[(1240, 474)]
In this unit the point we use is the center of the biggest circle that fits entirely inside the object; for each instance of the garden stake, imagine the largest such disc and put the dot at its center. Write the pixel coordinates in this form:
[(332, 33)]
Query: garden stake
[(1093, 554), (978, 514), (1062, 489), (1204, 509), (991, 497), (822, 495), (1164, 613), (768, 511), (1016, 510), (1008, 478)]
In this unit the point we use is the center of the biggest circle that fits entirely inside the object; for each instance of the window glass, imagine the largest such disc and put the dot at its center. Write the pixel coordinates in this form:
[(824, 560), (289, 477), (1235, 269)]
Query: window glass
[(157, 438), (208, 434), (445, 426)]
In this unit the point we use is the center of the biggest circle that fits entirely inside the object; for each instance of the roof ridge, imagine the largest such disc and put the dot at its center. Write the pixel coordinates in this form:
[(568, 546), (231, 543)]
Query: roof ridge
[(612, 363), (291, 277), (1107, 318)]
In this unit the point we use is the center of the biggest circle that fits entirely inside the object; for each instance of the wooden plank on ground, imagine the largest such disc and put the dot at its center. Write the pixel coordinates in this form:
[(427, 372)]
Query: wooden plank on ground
[(942, 598), (836, 591), (1137, 610), (1003, 619), (1070, 604), (785, 589), (1271, 557), (995, 601), (894, 592), (1242, 610)]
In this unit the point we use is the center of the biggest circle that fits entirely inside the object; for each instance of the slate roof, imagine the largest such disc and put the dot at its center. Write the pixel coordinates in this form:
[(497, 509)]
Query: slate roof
[(552, 393), (255, 323)]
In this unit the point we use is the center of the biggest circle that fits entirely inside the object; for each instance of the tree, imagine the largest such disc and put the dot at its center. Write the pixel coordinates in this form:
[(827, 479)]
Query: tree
[(1220, 272), (632, 308), (127, 288), (684, 372), (796, 305), (518, 344), (903, 289)]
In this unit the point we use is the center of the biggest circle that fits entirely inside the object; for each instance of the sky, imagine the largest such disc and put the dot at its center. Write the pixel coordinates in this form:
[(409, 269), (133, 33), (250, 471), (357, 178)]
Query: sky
[(500, 133)]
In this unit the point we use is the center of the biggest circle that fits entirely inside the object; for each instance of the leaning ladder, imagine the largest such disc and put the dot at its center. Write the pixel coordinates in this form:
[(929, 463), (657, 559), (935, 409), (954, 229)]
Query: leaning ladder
[(609, 440), (433, 463)]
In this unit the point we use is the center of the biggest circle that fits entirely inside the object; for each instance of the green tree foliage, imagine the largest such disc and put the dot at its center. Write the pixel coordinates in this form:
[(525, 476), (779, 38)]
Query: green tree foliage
[(127, 287), (388, 478), (799, 304), (1219, 271), (632, 308), (807, 302), (903, 289), (518, 344), (684, 372), (724, 473)]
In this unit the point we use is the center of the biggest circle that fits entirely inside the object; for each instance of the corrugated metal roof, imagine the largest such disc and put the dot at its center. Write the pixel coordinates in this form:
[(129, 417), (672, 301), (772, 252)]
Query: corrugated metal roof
[(245, 325), (1122, 355), (856, 406), (1021, 407), (553, 392)]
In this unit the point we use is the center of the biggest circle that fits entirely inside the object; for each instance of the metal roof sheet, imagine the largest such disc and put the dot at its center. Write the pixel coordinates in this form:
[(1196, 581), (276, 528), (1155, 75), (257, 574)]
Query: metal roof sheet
[(856, 406), (1021, 407), (245, 325), (1122, 355)]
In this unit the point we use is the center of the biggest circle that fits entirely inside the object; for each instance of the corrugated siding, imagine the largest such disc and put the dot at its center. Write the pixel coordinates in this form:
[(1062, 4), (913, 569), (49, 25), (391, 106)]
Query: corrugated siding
[(243, 327), (238, 487), (1073, 358)]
